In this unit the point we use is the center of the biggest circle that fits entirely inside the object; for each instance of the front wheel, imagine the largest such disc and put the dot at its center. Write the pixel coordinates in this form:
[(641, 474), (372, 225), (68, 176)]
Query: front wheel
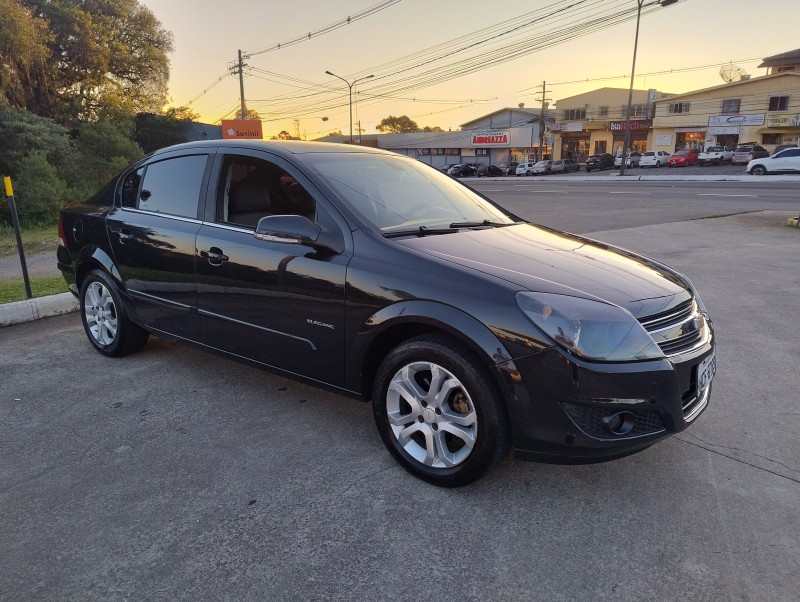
[(758, 170), (105, 320), (438, 412)]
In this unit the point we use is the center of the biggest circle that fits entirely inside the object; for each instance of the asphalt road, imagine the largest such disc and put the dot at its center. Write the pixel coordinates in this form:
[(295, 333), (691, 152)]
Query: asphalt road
[(176, 475)]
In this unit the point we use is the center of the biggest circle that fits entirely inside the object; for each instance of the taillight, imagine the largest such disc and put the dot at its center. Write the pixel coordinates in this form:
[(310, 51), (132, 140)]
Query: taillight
[(62, 240)]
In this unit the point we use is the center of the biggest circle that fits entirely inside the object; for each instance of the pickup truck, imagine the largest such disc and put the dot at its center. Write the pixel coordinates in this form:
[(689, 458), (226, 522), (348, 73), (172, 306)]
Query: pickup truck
[(715, 154)]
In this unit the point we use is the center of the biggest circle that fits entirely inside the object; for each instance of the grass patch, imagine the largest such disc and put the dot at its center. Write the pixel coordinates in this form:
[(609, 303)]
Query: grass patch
[(35, 240), (41, 286)]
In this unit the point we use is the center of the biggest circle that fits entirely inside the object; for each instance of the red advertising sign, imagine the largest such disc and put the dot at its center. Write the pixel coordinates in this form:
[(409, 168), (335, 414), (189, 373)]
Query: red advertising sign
[(639, 124), (499, 138), (242, 128)]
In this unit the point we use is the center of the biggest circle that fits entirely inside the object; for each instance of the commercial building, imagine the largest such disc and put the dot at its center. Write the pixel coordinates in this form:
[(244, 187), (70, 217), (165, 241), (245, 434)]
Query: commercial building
[(594, 122), (500, 137), (764, 110)]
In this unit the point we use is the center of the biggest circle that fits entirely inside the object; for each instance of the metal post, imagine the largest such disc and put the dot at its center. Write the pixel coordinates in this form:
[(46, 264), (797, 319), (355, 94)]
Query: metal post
[(15, 220)]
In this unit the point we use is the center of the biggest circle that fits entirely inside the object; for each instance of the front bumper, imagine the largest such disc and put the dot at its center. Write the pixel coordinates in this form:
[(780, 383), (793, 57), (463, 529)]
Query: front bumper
[(569, 410)]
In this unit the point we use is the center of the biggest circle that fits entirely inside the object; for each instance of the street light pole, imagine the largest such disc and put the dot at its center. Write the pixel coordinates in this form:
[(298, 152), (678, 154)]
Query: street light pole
[(627, 137), (350, 90)]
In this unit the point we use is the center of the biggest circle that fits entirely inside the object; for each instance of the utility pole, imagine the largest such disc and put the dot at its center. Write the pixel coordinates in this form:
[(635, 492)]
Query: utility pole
[(237, 68), (544, 100)]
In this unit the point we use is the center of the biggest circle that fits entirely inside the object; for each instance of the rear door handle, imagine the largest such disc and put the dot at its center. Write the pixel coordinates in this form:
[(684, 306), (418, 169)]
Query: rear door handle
[(215, 256)]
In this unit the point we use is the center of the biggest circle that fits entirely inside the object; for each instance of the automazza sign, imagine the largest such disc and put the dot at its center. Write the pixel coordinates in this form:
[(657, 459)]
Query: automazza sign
[(498, 138)]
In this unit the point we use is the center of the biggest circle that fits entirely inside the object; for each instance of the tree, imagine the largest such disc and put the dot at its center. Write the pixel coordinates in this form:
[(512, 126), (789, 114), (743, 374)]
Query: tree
[(24, 50), (153, 131), (104, 151), (284, 135), (397, 125), (249, 114), (102, 55), (39, 190), (435, 128), (23, 132)]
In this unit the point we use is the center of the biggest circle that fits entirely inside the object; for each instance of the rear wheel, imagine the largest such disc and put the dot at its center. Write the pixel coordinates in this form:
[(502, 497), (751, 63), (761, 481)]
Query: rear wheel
[(759, 170), (438, 412), (105, 320)]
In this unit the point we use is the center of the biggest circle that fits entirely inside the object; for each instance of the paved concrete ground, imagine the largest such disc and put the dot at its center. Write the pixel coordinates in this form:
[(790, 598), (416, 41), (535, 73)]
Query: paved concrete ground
[(176, 475)]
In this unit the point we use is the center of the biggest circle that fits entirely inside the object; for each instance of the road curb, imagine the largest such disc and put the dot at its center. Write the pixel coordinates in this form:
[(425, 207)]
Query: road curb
[(34, 309)]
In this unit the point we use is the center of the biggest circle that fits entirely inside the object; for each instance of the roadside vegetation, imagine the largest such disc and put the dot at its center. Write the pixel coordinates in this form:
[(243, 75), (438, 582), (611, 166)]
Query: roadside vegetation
[(41, 286), (74, 114)]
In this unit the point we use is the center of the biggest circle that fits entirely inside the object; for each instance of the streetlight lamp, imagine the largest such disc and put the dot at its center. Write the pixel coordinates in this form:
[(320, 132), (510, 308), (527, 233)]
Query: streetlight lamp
[(627, 139), (350, 88)]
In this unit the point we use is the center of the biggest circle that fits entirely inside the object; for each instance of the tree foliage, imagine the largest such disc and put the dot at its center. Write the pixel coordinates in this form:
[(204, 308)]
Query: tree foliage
[(284, 135), (249, 114), (101, 55), (153, 131), (397, 125)]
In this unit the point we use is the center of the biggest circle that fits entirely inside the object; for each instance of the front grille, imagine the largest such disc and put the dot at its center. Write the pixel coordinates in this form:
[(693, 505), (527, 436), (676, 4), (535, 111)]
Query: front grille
[(677, 330), (590, 419)]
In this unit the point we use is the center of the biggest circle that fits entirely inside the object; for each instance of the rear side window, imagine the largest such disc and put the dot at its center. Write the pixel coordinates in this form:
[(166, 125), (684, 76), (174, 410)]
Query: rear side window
[(171, 186)]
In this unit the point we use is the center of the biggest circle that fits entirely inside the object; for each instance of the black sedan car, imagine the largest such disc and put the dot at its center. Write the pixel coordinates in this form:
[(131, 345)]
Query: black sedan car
[(489, 171), (462, 170), (377, 276), (599, 162)]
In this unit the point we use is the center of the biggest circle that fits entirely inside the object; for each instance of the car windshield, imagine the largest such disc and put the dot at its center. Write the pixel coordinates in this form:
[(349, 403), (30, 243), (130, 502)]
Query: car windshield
[(649, 154), (681, 153), (715, 149), (543, 163), (395, 194)]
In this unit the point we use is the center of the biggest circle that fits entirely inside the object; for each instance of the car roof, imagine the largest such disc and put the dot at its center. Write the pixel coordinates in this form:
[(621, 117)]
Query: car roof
[(281, 147)]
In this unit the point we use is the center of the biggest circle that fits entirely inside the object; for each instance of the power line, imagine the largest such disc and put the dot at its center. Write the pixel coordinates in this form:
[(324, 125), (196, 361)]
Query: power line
[(327, 29)]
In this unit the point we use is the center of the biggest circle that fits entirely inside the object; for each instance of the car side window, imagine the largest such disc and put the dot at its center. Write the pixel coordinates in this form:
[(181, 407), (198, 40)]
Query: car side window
[(172, 186), (130, 188), (252, 188)]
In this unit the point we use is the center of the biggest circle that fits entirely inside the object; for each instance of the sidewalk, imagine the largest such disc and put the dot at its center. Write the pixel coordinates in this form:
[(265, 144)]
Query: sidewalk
[(34, 309)]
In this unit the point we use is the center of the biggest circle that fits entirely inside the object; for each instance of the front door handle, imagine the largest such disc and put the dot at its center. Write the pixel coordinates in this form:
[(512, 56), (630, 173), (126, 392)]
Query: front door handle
[(215, 256)]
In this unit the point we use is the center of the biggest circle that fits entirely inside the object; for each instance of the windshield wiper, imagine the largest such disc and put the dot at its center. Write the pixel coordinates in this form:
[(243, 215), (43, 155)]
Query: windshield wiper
[(421, 231), (485, 222)]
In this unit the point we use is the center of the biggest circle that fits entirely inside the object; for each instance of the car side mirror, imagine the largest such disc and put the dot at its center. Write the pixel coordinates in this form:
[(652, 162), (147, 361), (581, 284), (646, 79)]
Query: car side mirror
[(288, 229)]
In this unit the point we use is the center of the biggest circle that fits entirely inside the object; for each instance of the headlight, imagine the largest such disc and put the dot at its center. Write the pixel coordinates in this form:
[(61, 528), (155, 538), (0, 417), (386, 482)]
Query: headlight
[(590, 329)]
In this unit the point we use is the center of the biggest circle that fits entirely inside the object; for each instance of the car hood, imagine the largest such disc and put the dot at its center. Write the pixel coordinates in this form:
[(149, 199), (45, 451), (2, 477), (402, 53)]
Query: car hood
[(544, 260)]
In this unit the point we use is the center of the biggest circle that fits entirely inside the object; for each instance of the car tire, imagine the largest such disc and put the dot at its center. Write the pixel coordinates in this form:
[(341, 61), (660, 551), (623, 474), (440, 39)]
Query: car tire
[(658, 163), (758, 170), (438, 411), (104, 318)]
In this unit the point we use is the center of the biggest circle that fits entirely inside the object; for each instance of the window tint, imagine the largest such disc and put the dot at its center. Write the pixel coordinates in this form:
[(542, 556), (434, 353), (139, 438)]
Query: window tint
[(791, 152), (173, 186), (252, 188)]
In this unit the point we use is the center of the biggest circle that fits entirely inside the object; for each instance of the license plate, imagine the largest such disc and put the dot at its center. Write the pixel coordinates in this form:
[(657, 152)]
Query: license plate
[(706, 371)]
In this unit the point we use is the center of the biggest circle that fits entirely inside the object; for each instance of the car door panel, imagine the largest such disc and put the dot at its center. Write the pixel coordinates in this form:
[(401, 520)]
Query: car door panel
[(278, 303)]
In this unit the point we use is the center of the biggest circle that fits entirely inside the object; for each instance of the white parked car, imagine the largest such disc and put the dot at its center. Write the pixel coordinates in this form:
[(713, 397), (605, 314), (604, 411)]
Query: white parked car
[(785, 161), (653, 159), (715, 154), (524, 169)]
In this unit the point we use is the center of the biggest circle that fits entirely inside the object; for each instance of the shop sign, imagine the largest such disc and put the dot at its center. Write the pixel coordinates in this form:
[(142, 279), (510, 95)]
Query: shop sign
[(639, 124), (572, 126), (723, 131), (724, 120), (783, 121), (242, 128), (496, 138)]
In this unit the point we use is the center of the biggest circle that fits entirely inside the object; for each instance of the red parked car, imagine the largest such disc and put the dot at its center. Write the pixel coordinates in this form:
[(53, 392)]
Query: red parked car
[(683, 158)]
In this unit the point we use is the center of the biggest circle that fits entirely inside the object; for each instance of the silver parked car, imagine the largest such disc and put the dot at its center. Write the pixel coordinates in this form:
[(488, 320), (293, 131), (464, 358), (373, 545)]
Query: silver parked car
[(632, 159)]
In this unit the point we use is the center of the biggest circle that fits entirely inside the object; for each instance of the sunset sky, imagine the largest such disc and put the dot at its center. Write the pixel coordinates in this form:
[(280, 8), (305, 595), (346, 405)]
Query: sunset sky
[(446, 63)]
